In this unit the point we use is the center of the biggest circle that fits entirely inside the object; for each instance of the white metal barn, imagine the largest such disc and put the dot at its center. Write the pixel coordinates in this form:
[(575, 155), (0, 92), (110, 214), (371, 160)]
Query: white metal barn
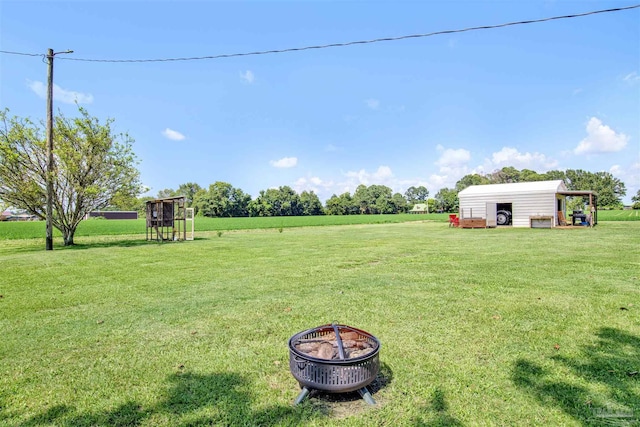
[(522, 204)]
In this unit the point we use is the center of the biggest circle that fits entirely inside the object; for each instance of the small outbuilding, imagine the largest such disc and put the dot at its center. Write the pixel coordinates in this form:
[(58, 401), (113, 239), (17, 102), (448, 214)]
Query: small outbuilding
[(167, 219), (420, 208), (537, 204)]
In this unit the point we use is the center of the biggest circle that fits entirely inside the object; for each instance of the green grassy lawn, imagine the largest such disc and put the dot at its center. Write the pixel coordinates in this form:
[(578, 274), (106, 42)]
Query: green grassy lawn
[(622, 215), (503, 326), (101, 227)]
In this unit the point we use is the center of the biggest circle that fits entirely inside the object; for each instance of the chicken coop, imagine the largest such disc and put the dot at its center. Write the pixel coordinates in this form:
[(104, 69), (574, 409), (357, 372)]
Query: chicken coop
[(167, 219)]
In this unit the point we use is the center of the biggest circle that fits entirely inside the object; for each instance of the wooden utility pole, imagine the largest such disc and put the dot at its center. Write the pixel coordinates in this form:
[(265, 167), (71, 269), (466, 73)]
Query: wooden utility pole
[(49, 213), (50, 164)]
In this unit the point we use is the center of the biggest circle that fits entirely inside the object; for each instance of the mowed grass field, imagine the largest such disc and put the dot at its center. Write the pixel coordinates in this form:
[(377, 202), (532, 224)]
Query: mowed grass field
[(100, 227), (505, 326)]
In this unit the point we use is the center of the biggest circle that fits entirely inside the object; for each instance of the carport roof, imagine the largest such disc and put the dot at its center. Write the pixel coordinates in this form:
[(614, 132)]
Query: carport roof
[(553, 187)]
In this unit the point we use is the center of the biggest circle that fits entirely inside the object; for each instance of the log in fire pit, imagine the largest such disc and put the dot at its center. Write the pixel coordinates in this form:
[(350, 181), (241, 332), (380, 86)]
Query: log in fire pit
[(335, 359)]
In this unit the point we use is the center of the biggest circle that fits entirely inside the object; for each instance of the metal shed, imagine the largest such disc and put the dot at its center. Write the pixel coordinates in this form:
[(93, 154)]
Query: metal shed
[(537, 204)]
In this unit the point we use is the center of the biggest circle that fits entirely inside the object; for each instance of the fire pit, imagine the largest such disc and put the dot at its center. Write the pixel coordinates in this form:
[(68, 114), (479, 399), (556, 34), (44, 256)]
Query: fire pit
[(335, 359)]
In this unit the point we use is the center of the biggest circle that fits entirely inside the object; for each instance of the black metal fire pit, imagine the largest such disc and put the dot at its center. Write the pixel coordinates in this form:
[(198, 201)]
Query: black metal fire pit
[(335, 359)]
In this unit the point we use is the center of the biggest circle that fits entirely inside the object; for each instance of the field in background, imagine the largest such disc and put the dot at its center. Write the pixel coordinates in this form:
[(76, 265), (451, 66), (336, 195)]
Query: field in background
[(478, 327), (101, 227), (624, 215)]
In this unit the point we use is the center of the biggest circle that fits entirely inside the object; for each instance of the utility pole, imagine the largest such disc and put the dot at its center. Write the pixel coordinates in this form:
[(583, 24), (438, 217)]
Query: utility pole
[(50, 165)]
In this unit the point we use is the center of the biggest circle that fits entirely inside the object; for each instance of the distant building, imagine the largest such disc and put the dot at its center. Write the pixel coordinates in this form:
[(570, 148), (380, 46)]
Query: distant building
[(420, 208), (17, 216), (113, 214)]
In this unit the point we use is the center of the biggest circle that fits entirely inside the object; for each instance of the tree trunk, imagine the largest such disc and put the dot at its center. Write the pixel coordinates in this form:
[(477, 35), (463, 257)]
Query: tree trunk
[(68, 236)]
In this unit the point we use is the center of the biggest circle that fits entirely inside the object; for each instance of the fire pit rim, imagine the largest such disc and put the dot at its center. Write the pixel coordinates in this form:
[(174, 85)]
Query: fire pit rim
[(329, 328)]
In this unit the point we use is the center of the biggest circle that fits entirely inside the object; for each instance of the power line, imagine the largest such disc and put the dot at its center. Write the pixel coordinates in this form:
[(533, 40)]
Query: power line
[(351, 43), (21, 53)]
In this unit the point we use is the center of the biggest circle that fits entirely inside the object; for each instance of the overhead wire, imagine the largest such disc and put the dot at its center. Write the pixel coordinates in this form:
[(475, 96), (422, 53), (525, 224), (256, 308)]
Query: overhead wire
[(21, 53), (344, 44)]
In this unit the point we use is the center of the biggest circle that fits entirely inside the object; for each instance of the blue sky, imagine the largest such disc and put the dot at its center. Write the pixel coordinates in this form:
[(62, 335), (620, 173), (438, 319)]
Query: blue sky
[(426, 111)]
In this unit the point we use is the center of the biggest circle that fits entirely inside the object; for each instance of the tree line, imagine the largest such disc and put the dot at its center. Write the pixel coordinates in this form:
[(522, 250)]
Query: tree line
[(221, 199)]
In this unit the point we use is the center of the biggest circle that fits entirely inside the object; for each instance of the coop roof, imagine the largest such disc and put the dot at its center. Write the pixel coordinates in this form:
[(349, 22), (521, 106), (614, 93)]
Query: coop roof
[(166, 199), (551, 187)]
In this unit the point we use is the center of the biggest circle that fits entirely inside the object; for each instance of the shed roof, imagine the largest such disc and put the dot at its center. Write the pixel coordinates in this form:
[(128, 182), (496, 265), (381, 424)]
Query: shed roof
[(419, 207), (551, 187)]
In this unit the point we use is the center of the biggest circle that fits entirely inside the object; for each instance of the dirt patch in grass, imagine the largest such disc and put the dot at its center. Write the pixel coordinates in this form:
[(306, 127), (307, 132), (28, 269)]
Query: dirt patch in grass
[(344, 405)]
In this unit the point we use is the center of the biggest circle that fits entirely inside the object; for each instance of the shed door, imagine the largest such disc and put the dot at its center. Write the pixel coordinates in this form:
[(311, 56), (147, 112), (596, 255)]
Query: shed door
[(492, 212)]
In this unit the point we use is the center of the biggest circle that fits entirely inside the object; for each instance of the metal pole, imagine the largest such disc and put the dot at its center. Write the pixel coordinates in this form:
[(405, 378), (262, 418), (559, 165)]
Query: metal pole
[(49, 212)]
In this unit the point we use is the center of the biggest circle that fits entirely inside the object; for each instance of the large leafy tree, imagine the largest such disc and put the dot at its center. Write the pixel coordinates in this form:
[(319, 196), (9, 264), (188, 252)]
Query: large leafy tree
[(381, 198), (166, 193), (362, 199), (281, 201), (400, 203), (554, 175), (636, 200), (506, 175), (375, 199), (415, 195), (189, 191), (447, 200), (471, 179), (311, 204), (341, 205), (610, 189), (528, 175), (222, 200), (93, 166)]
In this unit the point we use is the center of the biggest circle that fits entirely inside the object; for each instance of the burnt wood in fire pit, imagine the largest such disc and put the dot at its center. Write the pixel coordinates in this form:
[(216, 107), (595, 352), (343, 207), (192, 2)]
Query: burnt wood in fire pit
[(334, 358)]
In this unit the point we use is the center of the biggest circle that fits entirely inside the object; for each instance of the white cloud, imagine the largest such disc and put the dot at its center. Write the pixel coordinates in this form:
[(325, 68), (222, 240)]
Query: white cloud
[(452, 164), (323, 189), (352, 179), (383, 176), (438, 182), (509, 156), (374, 104), (601, 139), (452, 158), (632, 77), (285, 162), (247, 76), (173, 135), (59, 94)]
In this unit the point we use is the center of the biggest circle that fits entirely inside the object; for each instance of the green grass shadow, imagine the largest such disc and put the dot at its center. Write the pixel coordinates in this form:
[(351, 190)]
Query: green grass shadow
[(191, 399), (598, 386)]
